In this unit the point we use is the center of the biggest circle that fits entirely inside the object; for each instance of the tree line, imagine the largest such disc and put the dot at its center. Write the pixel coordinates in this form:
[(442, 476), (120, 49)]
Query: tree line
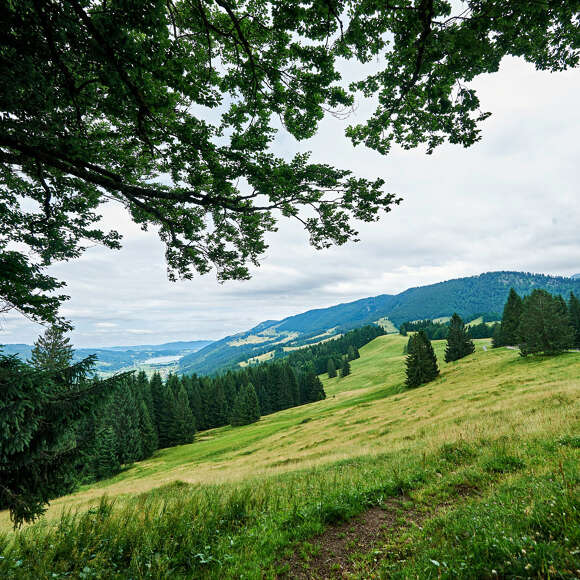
[(539, 323), (440, 330), (421, 362), (61, 425)]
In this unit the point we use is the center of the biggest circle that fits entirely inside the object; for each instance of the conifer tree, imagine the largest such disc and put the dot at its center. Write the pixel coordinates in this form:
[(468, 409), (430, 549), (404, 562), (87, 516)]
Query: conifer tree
[(574, 317), (421, 362), (350, 353), (459, 344), (345, 369), (331, 370), (510, 321), (125, 420), (52, 351), (195, 404), (148, 433), (157, 396), (545, 326), (497, 339), (143, 387), (246, 409), (105, 460), (40, 415), (181, 427), (314, 388)]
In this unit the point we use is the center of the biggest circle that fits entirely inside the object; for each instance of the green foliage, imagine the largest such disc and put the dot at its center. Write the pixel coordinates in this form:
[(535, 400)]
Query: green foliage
[(544, 326), (511, 319), (52, 351), (186, 134), (574, 315), (313, 388), (40, 447), (180, 418), (246, 408), (331, 369), (421, 362), (345, 368), (459, 344), (433, 330), (105, 459)]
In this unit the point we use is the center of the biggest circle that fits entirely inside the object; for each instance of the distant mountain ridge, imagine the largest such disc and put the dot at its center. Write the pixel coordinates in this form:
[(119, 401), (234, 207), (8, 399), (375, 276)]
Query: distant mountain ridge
[(115, 358), (485, 293)]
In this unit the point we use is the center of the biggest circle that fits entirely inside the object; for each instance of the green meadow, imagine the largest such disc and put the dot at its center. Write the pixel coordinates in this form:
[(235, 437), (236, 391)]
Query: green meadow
[(476, 473)]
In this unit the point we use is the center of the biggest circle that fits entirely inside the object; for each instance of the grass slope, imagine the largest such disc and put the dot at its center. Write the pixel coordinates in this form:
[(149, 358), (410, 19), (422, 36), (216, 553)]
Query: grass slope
[(239, 501)]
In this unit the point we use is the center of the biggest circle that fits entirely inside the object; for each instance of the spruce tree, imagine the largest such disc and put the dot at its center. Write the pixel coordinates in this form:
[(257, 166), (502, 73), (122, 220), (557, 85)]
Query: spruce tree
[(421, 362), (157, 396), (125, 421), (246, 409), (545, 326), (40, 414), (459, 344), (574, 317), (497, 339), (510, 321), (314, 389), (147, 431), (345, 369), (331, 369), (52, 351), (181, 427), (105, 459)]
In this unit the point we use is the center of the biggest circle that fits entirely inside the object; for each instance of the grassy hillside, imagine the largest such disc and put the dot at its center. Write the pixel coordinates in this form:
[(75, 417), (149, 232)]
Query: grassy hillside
[(485, 293), (249, 500)]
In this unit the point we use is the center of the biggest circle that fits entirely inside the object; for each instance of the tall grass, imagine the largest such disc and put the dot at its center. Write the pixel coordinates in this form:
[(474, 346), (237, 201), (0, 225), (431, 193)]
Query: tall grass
[(237, 503)]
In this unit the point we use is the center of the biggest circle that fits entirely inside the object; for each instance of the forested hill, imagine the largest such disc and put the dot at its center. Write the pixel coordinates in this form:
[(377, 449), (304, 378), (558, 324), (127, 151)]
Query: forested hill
[(485, 293)]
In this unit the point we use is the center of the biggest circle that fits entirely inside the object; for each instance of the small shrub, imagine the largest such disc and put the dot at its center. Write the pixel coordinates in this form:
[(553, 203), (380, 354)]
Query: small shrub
[(503, 463), (456, 453)]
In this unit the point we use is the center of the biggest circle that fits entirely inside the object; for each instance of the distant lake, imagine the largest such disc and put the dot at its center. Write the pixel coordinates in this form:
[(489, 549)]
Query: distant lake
[(161, 360)]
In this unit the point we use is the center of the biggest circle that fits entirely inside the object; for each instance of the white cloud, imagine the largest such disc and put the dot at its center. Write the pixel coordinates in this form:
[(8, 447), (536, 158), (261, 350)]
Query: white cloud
[(509, 202)]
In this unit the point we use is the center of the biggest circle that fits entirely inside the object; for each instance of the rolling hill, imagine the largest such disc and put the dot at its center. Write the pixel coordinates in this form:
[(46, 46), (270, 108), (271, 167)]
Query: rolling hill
[(469, 296), (475, 473)]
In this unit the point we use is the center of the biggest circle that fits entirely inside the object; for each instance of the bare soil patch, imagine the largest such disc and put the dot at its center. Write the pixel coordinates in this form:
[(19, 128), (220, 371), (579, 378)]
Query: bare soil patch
[(331, 553)]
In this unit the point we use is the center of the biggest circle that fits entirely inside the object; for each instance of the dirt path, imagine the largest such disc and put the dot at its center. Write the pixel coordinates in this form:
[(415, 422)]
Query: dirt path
[(332, 553)]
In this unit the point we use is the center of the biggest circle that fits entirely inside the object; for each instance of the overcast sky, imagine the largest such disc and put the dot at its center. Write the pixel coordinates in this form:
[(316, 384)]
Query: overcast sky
[(510, 202)]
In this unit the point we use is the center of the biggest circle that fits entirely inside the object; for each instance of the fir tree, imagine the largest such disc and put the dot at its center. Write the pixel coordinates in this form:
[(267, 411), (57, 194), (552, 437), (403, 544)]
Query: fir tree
[(314, 389), (105, 460), (40, 415), (345, 369), (459, 344), (157, 396), (421, 362), (52, 351), (510, 322), (181, 427), (574, 317), (331, 369), (545, 325), (497, 339), (148, 433), (125, 420), (246, 409)]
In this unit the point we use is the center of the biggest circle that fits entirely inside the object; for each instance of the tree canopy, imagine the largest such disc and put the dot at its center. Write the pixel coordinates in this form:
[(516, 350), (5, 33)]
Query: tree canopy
[(170, 108)]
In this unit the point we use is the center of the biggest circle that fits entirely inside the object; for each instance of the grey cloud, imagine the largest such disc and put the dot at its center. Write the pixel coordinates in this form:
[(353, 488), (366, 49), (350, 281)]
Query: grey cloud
[(509, 202)]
